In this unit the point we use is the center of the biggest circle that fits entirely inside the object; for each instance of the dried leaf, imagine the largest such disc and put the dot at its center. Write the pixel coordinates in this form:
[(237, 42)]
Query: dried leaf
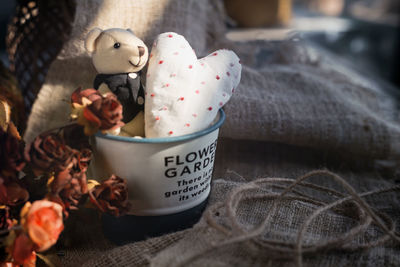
[(5, 115)]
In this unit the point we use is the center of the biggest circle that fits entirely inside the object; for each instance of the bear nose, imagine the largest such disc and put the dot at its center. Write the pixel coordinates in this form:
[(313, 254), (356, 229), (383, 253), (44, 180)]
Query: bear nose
[(141, 50)]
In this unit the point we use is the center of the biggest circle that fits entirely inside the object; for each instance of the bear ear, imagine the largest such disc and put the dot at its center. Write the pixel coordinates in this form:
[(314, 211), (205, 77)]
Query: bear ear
[(90, 41)]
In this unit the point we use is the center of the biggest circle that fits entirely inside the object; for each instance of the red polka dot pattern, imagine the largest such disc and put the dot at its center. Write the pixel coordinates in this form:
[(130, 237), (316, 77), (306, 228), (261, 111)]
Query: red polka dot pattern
[(186, 92)]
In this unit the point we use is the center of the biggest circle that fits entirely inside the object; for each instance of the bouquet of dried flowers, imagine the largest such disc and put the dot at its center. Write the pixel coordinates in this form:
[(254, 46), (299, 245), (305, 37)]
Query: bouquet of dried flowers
[(41, 182)]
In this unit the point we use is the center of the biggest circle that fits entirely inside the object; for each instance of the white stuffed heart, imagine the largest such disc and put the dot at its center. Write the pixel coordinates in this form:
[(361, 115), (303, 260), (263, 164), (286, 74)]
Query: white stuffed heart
[(183, 93)]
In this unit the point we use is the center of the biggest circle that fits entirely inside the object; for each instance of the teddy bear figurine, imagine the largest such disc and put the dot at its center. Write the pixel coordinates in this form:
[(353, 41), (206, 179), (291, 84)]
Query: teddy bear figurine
[(119, 56)]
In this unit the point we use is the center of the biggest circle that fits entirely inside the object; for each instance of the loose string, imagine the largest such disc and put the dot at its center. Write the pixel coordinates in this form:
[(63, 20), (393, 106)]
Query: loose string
[(234, 232)]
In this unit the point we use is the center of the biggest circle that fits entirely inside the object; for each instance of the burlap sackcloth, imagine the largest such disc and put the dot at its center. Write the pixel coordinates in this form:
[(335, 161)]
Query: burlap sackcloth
[(296, 110)]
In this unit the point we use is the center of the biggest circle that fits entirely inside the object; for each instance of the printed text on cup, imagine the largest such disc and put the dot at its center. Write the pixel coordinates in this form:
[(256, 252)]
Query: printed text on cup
[(192, 172)]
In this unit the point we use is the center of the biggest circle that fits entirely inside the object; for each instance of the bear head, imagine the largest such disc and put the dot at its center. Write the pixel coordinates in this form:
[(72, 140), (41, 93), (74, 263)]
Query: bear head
[(116, 51)]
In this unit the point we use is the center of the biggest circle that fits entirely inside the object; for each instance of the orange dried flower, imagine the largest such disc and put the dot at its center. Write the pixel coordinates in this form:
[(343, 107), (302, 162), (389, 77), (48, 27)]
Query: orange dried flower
[(23, 251), (43, 221)]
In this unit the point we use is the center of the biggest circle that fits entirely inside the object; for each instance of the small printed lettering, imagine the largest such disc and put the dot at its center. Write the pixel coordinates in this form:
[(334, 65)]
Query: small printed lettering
[(192, 171)]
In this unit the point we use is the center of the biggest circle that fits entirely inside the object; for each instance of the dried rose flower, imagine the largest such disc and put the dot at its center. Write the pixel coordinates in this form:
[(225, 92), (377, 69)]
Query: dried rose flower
[(111, 196), (11, 152), (76, 170), (85, 97), (96, 112), (23, 251), (56, 199), (43, 221), (68, 187), (71, 194), (84, 157), (62, 178), (48, 152)]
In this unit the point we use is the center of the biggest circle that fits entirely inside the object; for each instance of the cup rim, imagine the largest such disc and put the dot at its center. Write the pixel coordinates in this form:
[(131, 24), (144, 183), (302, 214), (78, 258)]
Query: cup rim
[(158, 140)]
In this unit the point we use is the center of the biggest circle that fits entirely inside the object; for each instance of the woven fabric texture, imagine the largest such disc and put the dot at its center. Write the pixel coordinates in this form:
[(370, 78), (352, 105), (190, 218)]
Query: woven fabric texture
[(294, 97), (355, 239), (35, 37), (295, 110)]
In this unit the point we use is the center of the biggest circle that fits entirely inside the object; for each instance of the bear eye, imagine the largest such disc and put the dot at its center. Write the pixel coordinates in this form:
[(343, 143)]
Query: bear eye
[(117, 45)]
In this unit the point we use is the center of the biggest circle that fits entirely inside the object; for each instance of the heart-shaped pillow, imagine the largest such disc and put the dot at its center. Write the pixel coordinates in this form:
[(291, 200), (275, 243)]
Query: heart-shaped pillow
[(183, 93)]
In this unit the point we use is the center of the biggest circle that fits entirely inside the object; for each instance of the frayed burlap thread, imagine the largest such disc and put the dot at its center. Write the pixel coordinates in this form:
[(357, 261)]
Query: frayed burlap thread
[(226, 228), (296, 109)]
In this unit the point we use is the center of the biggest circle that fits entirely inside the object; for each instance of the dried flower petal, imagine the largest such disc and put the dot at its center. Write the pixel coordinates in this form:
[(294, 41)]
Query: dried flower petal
[(69, 186), (56, 199), (84, 159), (72, 193), (111, 196), (43, 222), (5, 114), (84, 97), (23, 251), (48, 152), (96, 112)]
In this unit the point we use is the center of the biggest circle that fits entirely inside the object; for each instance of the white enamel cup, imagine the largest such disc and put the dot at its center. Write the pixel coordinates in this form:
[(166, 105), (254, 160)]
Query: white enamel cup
[(164, 175)]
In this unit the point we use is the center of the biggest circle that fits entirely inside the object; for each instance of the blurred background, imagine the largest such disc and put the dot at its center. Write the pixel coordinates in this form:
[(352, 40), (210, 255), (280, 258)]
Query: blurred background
[(366, 33), (6, 12), (363, 32)]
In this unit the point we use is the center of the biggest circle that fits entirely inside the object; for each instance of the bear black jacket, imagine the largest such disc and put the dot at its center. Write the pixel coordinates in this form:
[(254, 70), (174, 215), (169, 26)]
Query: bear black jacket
[(130, 92)]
